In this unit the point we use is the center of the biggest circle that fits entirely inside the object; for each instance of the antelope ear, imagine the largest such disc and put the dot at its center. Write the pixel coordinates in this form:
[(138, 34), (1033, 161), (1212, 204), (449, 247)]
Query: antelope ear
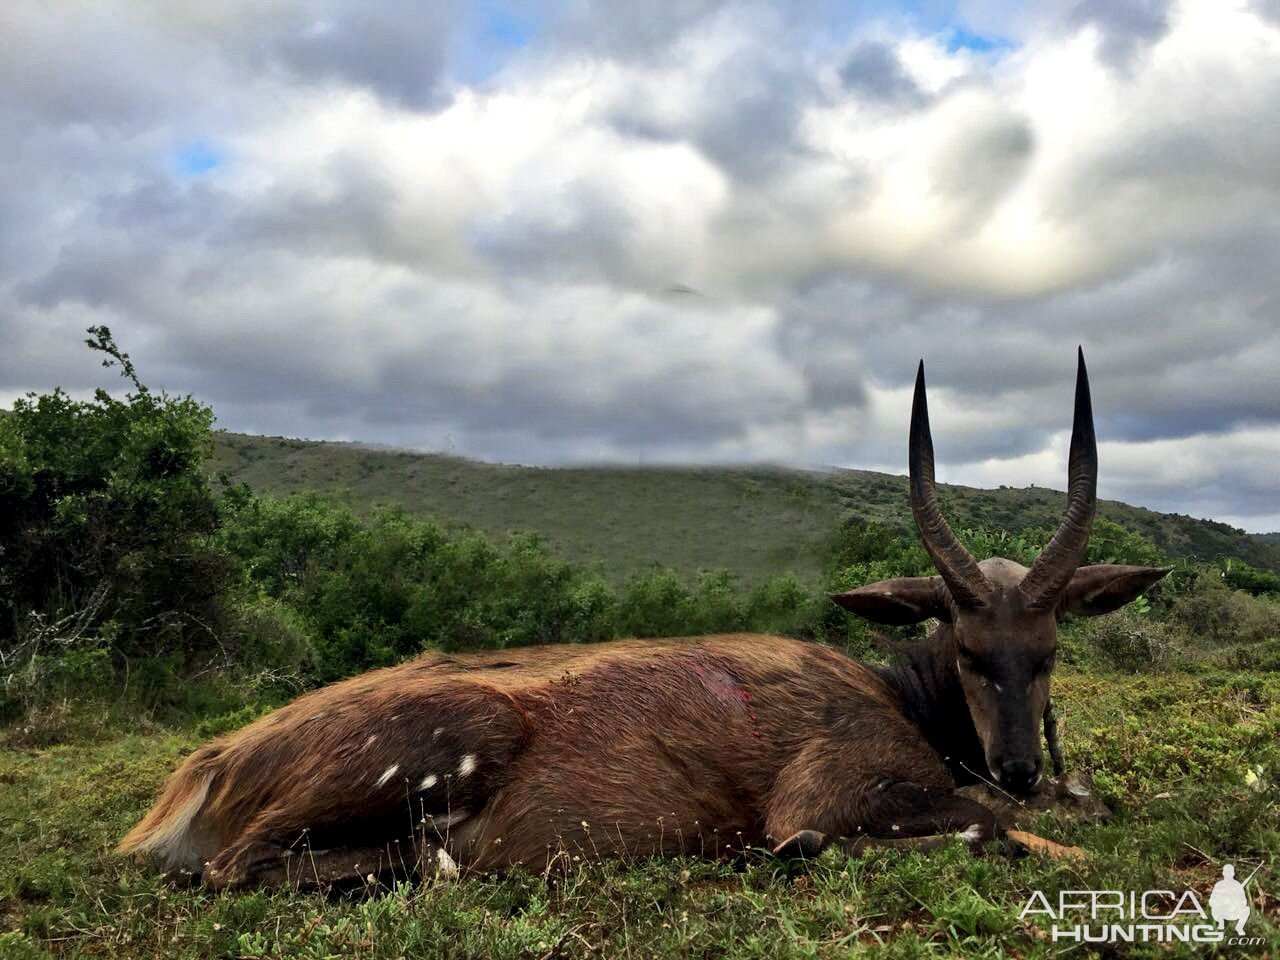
[(899, 601), (1104, 587)]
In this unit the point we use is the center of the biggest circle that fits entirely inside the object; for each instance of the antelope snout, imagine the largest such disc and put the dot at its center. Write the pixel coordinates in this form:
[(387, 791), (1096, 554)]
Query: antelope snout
[(1018, 774)]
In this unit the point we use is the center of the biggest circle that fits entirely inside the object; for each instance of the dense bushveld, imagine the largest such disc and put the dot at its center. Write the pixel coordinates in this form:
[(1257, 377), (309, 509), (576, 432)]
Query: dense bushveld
[(144, 608)]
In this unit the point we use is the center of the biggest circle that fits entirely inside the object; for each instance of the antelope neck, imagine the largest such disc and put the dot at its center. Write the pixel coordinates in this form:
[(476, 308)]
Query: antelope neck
[(924, 677)]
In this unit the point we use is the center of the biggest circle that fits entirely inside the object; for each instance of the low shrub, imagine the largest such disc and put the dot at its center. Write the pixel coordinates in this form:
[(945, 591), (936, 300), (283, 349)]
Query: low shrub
[(1215, 615), (1131, 641)]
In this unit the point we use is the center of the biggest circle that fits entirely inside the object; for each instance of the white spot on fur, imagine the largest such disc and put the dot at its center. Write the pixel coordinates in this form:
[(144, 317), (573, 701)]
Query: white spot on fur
[(468, 765), (971, 835), (435, 734), (368, 743), (446, 866), (387, 774), (428, 782)]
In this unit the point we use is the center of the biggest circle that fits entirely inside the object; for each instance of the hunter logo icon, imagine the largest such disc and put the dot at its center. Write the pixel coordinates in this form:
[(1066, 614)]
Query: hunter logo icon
[(1228, 902)]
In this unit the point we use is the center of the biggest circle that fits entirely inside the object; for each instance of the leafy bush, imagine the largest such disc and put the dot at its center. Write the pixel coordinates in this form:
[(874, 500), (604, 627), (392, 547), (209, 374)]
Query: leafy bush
[(1131, 641), (1241, 576), (1216, 615), (1111, 543), (788, 606), (371, 592), (273, 639), (103, 507)]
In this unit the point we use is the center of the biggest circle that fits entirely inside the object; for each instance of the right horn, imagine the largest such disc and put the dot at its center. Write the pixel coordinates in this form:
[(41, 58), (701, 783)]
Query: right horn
[(1053, 569), (968, 585)]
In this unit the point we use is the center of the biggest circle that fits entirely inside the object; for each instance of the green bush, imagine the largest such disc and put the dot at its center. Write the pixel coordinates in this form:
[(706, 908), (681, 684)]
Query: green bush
[(1241, 576), (1131, 641), (788, 606), (1216, 615), (657, 603), (272, 637), (371, 592), (104, 507)]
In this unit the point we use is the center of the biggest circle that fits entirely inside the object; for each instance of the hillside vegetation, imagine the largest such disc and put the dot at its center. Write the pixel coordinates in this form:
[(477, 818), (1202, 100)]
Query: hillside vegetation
[(754, 522)]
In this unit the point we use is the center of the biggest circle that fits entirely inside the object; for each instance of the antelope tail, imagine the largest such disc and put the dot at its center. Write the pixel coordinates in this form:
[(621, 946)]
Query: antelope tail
[(171, 832)]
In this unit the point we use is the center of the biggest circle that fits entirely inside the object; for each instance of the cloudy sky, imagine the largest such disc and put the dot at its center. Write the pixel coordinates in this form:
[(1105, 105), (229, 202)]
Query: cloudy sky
[(691, 231)]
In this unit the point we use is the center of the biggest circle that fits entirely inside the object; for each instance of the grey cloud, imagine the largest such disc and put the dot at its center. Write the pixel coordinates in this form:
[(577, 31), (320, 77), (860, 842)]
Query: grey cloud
[(874, 71), (746, 119), (587, 236), (669, 377), (1126, 26), (623, 29), (750, 129), (1247, 490), (85, 64), (133, 68), (354, 213), (397, 49), (984, 163), (90, 274)]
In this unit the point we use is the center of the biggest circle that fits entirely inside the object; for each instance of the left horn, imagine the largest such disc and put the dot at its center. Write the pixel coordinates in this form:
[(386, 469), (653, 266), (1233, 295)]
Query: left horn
[(968, 586), (1054, 567)]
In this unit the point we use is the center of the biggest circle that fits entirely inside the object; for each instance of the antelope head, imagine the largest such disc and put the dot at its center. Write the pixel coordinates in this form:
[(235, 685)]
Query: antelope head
[(1002, 616)]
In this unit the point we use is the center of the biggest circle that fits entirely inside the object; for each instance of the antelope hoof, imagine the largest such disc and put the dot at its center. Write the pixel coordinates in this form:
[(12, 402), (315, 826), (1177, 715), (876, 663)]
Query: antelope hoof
[(802, 845)]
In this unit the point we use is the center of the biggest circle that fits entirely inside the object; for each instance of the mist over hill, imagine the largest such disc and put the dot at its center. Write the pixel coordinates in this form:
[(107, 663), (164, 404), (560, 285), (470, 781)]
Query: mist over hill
[(753, 521)]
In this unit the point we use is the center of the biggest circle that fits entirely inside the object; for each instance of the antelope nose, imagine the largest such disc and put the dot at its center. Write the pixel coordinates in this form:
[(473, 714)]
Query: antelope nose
[(1019, 774)]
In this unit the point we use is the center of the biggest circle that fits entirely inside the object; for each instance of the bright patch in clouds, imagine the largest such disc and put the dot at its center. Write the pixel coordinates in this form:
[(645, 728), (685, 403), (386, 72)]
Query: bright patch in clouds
[(698, 231)]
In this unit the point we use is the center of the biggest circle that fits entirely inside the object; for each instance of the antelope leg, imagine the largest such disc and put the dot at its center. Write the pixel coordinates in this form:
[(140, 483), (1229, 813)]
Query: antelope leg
[(319, 868), (1051, 739), (808, 844), (802, 845), (854, 846)]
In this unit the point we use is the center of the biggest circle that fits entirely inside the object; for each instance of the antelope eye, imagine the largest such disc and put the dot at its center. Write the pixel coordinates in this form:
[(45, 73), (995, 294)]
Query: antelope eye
[(973, 665)]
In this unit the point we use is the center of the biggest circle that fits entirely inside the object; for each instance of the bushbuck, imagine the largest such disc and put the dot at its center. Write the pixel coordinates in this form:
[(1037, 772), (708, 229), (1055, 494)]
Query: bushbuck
[(645, 747)]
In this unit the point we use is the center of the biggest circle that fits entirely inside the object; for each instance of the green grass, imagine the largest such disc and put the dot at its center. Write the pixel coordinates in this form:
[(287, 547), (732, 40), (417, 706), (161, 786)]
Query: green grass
[(1171, 752), (756, 522)]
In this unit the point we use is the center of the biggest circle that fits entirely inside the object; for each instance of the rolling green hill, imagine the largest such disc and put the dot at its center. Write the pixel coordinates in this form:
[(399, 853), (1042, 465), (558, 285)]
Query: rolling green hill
[(754, 521)]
